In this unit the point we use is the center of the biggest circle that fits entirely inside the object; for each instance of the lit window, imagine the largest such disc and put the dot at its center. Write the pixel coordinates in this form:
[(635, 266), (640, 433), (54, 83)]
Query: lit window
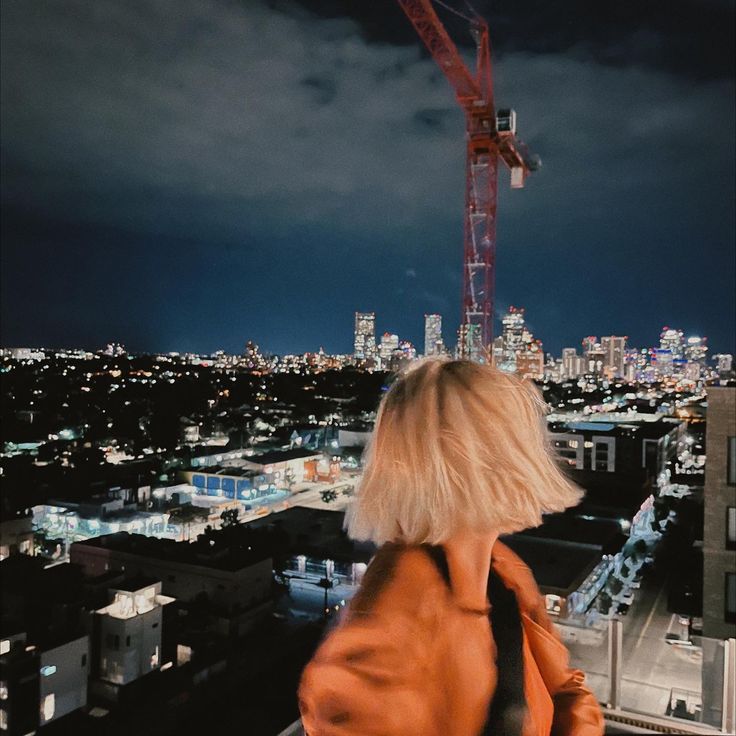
[(3, 690), (48, 670), (4, 646), (3, 720), (48, 707)]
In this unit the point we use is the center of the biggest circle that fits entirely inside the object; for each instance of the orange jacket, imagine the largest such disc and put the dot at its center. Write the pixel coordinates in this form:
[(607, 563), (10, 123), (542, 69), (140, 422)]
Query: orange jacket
[(407, 660)]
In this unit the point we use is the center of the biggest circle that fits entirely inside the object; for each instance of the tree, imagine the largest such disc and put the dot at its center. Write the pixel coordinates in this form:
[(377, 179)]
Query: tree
[(229, 517), (328, 496), (187, 514)]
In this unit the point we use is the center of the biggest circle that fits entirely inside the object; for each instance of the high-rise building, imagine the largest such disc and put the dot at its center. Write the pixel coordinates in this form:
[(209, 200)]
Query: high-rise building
[(573, 365), (519, 352), (614, 349), (719, 529), (513, 329), (470, 343), (433, 334), (530, 360), (696, 349), (673, 341), (365, 335), (408, 350), (724, 364), (634, 363), (389, 343), (515, 338), (594, 355)]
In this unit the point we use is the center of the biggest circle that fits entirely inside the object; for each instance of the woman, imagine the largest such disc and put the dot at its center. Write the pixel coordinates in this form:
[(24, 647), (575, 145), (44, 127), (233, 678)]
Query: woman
[(449, 635)]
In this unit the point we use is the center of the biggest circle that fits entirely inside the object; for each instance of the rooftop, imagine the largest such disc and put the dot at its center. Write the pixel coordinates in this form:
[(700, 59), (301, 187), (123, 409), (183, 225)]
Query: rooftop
[(557, 565), (215, 551), (316, 533), (280, 456)]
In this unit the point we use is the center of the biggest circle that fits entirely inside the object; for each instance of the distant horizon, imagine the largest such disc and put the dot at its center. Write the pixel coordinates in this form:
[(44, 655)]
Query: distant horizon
[(265, 349)]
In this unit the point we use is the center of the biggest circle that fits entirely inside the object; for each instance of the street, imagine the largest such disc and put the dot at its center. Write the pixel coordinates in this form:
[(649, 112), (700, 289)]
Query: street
[(651, 666)]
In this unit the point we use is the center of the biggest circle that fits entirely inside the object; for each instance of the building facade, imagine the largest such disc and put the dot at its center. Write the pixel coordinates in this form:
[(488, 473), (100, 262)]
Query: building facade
[(63, 679), (614, 349), (719, 536), (389, 343), (128, 632), (433, 334), (364, 346)]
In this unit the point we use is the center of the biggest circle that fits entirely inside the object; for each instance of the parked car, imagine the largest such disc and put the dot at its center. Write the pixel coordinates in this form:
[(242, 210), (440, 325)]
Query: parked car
[(627, 598)]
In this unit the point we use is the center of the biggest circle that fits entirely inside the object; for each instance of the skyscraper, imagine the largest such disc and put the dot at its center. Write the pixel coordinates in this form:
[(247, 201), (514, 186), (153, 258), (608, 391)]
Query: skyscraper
[(513, 329), (673, 341), (365, 335), (433, 334), (724, 364), (573, 365), (614, 349), (470, 343), (594, 355), (696, 349), (514, 334), (389, 343)]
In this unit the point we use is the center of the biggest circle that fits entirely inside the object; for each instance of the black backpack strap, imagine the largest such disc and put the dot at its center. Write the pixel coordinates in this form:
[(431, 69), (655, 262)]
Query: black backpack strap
[(508, 705)]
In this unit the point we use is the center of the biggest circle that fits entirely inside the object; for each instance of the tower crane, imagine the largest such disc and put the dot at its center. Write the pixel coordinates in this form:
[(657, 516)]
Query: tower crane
[(489, 137)]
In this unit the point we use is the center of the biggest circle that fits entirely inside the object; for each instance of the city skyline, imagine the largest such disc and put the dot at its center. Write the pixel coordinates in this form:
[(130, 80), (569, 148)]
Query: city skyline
[(369, 340), (155, 212)]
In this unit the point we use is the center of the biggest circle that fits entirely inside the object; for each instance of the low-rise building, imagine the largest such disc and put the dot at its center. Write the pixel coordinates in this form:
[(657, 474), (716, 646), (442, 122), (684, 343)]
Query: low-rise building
[(64, 671), (19, 684), (16, 536), (128, 632), (233, 580)]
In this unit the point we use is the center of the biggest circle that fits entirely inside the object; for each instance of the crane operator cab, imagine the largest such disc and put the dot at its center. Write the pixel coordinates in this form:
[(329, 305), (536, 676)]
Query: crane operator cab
[(506, 122)]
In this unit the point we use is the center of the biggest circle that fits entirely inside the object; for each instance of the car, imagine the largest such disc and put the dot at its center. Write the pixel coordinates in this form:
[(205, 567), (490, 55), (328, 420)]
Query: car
[(622, 609)]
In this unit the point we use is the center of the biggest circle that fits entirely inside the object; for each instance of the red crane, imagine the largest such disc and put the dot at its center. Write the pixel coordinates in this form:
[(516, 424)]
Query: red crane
[(489, 137)]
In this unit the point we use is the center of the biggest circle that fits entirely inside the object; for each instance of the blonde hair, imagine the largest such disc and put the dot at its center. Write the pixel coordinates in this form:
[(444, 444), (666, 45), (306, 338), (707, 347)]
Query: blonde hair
[(457, 446)]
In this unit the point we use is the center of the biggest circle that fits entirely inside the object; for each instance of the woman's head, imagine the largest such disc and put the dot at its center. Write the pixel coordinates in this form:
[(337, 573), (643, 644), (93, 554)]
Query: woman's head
[(458, 446)]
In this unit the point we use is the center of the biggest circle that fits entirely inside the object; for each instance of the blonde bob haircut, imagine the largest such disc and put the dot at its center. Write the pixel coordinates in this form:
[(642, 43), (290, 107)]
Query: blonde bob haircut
[(457, 447)]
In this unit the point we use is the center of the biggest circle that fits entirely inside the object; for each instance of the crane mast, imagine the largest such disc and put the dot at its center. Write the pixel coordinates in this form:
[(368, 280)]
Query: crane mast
[(488, 138)]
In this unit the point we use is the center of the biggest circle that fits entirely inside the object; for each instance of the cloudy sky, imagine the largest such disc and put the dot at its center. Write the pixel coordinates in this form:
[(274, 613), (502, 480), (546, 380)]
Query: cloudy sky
[(190, 174)]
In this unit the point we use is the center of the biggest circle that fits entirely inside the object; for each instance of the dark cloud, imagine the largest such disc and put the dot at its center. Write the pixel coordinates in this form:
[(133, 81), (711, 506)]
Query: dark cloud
[(185, 175), (693, 38)]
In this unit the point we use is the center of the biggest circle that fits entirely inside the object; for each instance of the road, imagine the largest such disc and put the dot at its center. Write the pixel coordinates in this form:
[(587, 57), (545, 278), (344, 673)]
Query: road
[(651, 667)]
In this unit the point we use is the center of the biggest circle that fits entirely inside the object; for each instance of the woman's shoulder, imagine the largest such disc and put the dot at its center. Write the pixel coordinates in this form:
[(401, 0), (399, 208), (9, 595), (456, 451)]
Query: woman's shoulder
[(517, 575), (372, 666), (399, 576)]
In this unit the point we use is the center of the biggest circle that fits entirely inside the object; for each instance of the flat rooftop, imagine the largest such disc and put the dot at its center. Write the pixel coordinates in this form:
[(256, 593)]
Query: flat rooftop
[(280, 456), (218, 552), (316, 533), (558, 566)]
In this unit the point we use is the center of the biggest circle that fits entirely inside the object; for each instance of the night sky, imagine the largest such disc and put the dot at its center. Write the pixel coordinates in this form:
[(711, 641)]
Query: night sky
[(185, 175)]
